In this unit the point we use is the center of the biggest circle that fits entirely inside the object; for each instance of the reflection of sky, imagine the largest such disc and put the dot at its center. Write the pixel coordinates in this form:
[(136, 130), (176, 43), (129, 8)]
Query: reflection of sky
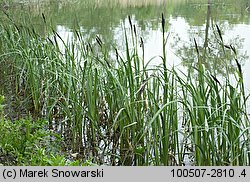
[(243, 31), (178, 26), (65, 34)]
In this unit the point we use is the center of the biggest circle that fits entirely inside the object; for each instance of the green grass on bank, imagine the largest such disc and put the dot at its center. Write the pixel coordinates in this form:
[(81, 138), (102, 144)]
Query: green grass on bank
[(29, 143), (117, 110)]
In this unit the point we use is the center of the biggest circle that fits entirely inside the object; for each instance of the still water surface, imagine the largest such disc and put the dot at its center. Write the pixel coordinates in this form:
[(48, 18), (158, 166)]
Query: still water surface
[(186, 21)]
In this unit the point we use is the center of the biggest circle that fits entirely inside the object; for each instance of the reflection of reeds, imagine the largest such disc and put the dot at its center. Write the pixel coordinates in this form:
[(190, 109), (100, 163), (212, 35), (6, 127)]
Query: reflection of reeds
[(138, 3), (122, 112), (37, 4), (132, 3)]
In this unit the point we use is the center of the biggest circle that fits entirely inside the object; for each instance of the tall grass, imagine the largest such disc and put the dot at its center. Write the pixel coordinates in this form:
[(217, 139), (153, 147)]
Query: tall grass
[(119, 111)]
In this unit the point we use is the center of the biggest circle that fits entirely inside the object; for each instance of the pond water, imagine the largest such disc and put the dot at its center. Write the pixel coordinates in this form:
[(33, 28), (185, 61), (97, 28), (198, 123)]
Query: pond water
[(186, 21)]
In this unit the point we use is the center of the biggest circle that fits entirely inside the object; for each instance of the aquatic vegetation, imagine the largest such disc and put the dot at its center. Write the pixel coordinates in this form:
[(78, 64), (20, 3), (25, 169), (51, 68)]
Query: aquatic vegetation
[(118, 110), (1, 105)]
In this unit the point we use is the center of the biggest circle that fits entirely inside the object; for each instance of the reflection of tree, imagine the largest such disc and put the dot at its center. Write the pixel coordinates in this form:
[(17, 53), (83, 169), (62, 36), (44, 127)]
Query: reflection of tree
[(232, 11), (93, 19), (104, 19), (213, 54)]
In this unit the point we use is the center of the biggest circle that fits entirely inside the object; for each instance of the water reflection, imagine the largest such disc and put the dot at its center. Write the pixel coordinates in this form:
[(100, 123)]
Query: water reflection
[(186, 20), (213, 46)]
